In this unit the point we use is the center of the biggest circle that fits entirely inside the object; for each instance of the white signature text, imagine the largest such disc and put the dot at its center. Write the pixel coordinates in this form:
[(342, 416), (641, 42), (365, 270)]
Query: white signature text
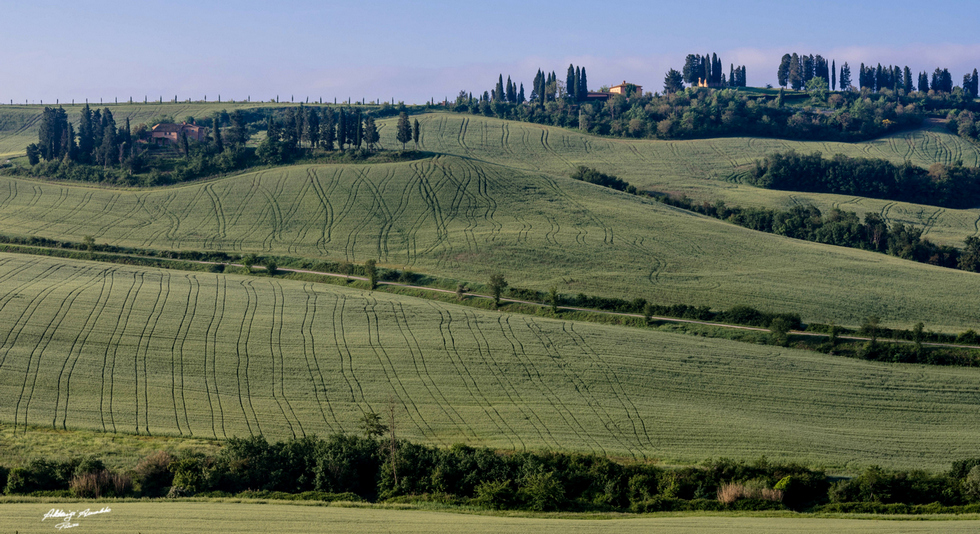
[(71, 515)]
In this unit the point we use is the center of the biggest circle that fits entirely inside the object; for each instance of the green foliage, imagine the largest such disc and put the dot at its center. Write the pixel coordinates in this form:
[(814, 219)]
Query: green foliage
[(372, 426), (371, 271), (497, 284)]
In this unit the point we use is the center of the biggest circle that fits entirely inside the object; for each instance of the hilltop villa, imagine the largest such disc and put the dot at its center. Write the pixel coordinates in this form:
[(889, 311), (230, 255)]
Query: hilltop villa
[(166, 133)]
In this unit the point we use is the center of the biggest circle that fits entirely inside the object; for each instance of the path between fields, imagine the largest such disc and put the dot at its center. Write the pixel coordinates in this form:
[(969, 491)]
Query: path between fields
[(590, 310)]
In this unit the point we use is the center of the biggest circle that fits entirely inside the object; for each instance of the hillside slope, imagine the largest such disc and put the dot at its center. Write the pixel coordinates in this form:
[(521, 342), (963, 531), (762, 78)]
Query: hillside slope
[(465, 219), (705, 169), (122, 349)]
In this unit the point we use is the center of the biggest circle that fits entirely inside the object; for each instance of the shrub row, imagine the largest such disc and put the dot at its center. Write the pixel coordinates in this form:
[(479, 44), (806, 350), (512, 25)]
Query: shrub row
[(352, 468)]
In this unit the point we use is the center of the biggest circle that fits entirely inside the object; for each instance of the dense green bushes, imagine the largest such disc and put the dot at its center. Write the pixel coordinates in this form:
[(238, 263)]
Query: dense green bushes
[(345, 467), (841, 228), (951, 186)]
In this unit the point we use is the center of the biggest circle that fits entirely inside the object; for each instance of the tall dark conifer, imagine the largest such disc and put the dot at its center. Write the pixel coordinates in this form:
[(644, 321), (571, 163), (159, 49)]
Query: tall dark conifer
[(570, 82), (86, 139), (833, 75), (583, 88), (907, 78), (845, 77), (499, 92), (782, 74)]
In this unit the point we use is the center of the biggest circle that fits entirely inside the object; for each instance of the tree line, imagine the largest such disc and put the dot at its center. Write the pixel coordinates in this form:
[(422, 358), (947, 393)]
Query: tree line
[(698, 113), (378, 468), (797, 71), (951, 186), (101, 152), (710, 72)]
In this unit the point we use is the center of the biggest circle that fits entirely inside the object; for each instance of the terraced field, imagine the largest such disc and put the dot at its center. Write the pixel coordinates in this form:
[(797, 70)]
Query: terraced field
[(145, 351)]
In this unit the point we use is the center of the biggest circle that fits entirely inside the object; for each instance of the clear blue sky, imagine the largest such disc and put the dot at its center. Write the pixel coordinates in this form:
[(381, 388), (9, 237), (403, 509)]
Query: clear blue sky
[(416, 50)]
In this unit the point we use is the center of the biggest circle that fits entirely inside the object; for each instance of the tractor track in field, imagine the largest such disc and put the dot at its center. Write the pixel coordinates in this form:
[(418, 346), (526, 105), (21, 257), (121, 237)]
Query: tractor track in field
[(44, 339), (152, 323), (241, 353), (387, 365), (309, 354), (469, 382), (418, 356), (490, 363)]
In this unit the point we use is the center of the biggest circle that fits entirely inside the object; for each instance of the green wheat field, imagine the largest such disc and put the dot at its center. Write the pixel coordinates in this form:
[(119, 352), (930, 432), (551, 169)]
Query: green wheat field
[(467, 215), (145, 351)]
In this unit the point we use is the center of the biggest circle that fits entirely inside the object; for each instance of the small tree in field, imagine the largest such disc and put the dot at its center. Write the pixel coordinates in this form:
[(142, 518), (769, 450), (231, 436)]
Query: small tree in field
[(554, 297), (403, 131), (416, 132), (371, 270), (779, 331), (497, 286)]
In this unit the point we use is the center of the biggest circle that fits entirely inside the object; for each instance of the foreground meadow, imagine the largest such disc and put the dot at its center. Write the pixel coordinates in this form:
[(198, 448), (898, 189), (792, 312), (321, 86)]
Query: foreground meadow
[(220, 517), (144, 351)]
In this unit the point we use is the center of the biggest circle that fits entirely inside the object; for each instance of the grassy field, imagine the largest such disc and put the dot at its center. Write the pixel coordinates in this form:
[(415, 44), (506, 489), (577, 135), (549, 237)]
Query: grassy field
[(461, 218), (705, 168), (194, 517), (143, 351)]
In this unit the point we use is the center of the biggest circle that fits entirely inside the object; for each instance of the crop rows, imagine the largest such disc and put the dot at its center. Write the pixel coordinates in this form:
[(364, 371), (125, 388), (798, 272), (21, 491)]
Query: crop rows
[(145, 351), (505, 208)]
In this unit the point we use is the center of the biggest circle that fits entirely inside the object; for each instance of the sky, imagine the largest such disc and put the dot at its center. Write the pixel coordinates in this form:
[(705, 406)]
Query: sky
[(416, 51)]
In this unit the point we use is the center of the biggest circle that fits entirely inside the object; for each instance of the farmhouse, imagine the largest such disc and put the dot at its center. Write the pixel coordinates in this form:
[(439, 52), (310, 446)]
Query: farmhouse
[(621, 88), (167, 133)]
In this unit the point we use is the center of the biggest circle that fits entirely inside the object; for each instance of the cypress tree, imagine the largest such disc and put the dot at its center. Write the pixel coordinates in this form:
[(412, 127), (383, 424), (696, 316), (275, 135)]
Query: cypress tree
[(578, 84), (328, 131), (731, 76), (85, 136), (498, 92), (907, 78), (403, 131), (716, 71), (833, 75), (845, 77), (782, 74), (358, 130), (570, 83), (342, 129), (511, 91), (975, 84), (520, 95), (371, 136), (313, 127), (219, 143), (416, 132), (795, 76), (584, 85)]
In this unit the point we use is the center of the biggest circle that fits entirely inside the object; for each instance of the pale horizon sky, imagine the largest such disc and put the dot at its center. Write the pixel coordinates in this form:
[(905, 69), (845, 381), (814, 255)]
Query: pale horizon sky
[(385, 49)]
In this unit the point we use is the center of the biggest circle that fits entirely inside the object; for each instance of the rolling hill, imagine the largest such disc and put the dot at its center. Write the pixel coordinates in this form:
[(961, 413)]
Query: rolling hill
[(146, 351), (465, 218)]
